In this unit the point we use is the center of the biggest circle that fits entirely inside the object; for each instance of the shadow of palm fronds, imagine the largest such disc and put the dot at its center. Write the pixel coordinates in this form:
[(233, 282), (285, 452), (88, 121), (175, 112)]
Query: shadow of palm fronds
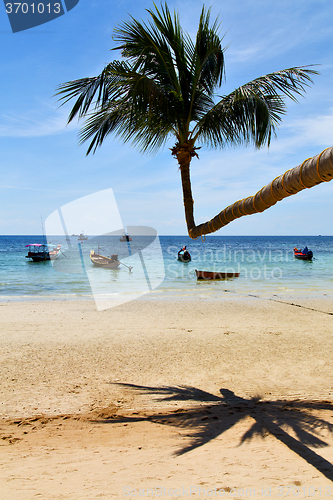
[(207, 421)]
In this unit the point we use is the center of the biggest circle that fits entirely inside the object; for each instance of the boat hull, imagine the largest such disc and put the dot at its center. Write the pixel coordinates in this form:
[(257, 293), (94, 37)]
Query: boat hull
[(102, 261), (211, 275), (184, 258), (43, 255), (303, 256)]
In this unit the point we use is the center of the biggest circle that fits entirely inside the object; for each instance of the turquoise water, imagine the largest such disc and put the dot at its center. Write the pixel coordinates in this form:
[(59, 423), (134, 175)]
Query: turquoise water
[(266, 265)]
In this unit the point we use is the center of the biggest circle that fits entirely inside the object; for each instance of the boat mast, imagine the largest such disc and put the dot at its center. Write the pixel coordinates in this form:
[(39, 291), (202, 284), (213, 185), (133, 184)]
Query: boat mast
[(43, 229)]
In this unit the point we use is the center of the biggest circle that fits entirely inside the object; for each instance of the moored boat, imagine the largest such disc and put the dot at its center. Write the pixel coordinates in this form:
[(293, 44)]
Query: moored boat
[(304, 254), (103, 261), (125, 237), (82, 237), (184, 255), (39, 252), (212, 275)]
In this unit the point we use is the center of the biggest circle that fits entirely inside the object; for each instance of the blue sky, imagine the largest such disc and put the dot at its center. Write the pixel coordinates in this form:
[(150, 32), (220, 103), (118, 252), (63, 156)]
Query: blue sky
[(43, 167)]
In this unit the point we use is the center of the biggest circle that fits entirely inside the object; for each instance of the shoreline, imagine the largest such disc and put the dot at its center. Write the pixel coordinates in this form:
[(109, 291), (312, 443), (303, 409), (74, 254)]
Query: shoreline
[(185, 295)]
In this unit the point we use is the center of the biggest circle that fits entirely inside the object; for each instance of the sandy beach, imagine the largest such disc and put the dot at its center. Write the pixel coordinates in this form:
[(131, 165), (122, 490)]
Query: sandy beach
[(157, 398)]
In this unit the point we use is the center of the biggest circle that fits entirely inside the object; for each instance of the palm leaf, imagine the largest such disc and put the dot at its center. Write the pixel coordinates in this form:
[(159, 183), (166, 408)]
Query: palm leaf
[(252, 111)]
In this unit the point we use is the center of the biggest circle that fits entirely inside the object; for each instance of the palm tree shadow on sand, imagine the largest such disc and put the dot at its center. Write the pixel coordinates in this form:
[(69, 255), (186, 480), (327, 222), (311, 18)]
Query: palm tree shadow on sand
[(206, 422)]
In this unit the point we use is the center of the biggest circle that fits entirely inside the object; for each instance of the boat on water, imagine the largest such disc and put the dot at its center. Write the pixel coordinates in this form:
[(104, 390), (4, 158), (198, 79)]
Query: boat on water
[(82, 237), (212, 275), (103, 261), (125, 237), (184, 255), (304, 254), (39, 252)]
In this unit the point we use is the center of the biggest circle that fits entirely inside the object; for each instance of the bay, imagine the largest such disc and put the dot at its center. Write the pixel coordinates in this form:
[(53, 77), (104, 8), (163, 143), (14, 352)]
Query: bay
[(266, 265)]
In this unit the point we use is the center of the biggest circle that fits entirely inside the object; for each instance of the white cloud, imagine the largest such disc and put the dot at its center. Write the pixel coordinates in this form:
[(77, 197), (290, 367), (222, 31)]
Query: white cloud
[(316, 129), (14, 125)]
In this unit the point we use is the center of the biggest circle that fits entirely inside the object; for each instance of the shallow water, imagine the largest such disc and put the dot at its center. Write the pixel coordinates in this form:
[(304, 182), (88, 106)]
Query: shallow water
[(266, 265)]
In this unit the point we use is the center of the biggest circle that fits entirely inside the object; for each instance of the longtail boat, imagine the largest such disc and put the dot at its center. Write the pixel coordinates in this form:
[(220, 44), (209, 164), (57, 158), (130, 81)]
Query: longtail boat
[(184, 255), (82, 237), (103, 261), (125, 237), (39, 252), (305, 254), (212, 275)]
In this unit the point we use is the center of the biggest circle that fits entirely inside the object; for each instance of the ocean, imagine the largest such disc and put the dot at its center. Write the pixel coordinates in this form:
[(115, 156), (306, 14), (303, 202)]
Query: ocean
[(266, 265)]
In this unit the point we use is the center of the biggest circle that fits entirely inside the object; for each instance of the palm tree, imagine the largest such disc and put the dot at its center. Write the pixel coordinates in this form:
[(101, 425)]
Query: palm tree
[(166, 86)]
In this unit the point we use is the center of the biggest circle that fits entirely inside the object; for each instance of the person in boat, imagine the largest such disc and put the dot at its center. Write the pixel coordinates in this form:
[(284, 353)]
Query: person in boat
[(305, 251)]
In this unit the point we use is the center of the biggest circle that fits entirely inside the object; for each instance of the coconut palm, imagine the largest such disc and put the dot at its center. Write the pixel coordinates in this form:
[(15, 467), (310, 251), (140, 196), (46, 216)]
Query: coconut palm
[(165, 86)]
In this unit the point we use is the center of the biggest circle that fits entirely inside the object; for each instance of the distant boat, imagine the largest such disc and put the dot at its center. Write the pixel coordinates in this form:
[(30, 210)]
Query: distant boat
[(305, 254), (125, 237), (102, 261), (82, 237), (40, 252), (211, 275)]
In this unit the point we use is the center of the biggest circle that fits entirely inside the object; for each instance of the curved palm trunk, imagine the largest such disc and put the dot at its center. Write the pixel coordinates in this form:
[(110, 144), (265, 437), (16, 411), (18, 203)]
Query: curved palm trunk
[(311, 172)]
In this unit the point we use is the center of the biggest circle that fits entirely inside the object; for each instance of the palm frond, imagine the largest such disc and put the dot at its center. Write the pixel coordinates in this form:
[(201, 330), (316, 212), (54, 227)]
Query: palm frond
[(148, 131), (147, 50), (166, 85), (170, 28), (209, 54), (253, 111), (96, 91)]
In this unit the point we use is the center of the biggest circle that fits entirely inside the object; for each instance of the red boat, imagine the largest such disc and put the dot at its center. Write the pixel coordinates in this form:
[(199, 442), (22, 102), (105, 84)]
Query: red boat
[(305, 254), (211, 275)]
